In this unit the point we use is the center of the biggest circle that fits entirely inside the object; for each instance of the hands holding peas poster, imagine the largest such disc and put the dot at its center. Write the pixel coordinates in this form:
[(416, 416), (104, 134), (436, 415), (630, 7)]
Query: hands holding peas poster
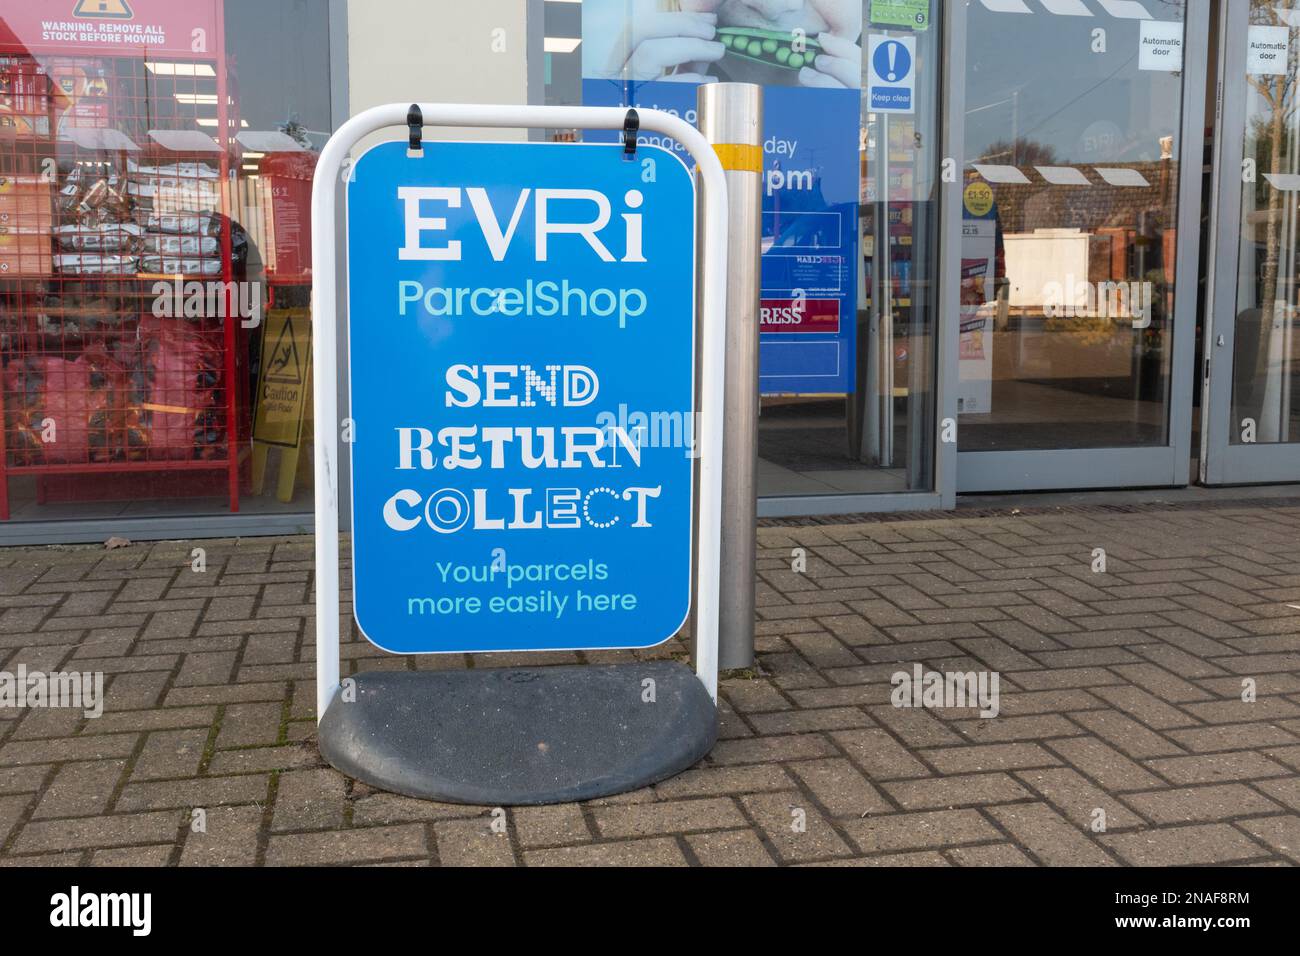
[(807, 54), (744, 41)]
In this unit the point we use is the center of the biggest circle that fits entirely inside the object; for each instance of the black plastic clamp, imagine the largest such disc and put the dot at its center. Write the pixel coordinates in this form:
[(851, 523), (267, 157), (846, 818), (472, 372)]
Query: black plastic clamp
[(415, 128), (631, 126)]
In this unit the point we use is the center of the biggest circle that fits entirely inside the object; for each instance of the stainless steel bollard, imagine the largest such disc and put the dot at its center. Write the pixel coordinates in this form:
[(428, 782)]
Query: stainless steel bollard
[(730, 115)]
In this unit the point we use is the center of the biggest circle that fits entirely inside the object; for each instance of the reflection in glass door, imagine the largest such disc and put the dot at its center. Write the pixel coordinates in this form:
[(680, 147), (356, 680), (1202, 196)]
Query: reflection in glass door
[(1253, 338), (1078, 261)]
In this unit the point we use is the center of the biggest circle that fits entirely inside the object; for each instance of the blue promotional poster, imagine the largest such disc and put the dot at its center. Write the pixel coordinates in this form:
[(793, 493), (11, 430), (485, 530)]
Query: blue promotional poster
[(521, 360), (807, 55)]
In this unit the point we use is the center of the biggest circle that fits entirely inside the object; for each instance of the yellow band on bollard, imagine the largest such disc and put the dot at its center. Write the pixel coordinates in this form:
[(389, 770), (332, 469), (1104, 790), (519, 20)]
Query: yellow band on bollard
[(740, 156)]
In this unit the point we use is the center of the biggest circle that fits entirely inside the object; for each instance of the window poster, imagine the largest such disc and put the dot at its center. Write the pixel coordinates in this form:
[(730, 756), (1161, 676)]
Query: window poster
[(808, 58)]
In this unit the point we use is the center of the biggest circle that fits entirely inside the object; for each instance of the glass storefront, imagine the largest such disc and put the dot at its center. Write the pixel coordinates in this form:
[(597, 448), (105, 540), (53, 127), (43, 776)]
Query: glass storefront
[(1265, 369), (1071, 201), (156, 164), (979, 234), (895, 411), (850, 232), (1252, 394)]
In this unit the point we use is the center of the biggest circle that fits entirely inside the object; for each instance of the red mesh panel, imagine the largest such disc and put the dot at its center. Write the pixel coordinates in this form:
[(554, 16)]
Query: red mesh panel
[(118, 258)]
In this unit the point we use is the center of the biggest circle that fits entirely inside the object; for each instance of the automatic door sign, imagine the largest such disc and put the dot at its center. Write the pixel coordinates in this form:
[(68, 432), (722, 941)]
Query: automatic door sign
[(1161, 46), (1268, 51), (891, 74), (521, 351)]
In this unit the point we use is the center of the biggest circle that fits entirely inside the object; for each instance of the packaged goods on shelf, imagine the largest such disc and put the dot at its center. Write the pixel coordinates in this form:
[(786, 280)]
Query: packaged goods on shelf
[(174, 187), (11, 324), (177, 223), (25, 223), (101, 237), (93, 195), (166, 244), (60, 411), (24, 252), (194, 195), (83, 92), (24, 98), (24, 198), (162, 265), (96, 264), (172, 410), (154, 398), (172, 237), (71, 309)]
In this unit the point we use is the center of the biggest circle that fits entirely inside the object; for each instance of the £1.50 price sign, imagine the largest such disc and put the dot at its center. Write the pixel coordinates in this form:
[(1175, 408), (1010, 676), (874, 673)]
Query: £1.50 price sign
[(521, 358)]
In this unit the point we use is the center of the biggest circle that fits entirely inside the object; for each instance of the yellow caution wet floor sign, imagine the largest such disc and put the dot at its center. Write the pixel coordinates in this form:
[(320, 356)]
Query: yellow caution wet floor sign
[(283, 387), (282, 384)]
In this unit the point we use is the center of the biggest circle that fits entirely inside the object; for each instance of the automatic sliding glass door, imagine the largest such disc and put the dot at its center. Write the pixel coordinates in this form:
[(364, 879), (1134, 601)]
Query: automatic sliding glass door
[(1252, 392), (1079, 253)]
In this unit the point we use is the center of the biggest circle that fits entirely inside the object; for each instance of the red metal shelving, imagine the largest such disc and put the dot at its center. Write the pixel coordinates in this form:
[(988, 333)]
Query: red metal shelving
[(112, 201)]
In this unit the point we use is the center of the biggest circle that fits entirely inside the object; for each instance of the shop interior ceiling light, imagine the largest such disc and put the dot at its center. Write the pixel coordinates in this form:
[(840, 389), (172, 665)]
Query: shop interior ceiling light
[(162, 68)]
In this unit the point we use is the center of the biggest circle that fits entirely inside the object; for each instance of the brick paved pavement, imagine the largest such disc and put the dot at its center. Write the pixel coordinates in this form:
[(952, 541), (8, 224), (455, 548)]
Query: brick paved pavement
[(1120, 692)]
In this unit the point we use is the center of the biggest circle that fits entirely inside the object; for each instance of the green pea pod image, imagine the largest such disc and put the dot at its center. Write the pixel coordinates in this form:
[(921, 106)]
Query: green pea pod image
[(769, 47)]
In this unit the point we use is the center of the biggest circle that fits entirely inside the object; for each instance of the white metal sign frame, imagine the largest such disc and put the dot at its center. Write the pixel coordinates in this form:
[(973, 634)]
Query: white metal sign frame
[(713, 313)]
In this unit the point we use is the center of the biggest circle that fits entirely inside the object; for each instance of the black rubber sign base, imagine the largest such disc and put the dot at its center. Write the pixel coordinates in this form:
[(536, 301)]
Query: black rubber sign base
[(515, 736)]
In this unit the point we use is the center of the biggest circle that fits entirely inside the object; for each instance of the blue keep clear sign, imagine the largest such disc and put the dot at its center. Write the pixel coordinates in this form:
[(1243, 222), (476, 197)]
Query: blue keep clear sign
[(521, 334), (891, 74)]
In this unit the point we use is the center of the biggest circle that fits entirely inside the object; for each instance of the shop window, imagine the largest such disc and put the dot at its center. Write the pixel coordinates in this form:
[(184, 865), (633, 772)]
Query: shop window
[(1072, 185), (156, 161), (849, 230)]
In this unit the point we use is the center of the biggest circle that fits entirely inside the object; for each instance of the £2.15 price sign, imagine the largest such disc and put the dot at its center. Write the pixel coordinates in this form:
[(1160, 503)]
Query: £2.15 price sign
[(521, 354)]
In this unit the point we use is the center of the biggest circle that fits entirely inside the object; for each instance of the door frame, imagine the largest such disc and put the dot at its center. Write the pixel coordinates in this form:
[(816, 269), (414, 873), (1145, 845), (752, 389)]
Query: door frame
[(951, 81), (1222, 462), (1168, 465)]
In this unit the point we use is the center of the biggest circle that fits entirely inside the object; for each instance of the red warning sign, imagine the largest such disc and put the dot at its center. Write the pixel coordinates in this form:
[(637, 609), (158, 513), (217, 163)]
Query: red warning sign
[(150, 28)]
